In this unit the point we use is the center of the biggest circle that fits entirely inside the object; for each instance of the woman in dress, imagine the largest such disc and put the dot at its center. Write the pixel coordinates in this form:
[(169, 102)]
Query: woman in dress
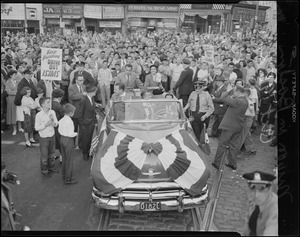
[(11, 87), (261, 76), (153, 79), (29, 110)]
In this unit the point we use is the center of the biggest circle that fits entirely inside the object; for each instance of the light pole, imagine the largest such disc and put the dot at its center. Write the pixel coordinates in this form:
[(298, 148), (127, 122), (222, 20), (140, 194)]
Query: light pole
[(61, 20), (256, 14), (25, 21)]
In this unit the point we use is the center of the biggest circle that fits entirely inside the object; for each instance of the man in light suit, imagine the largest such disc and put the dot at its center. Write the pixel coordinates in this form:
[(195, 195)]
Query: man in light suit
[(129, 78), (76, 93), (262, 218)]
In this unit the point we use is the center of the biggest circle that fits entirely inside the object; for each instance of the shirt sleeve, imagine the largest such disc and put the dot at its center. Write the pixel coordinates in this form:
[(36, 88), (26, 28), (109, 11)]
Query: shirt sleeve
[(39, 125)]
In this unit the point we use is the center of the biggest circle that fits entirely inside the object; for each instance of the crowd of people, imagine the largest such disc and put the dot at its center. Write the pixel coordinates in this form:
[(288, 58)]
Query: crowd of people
[(236, 92)]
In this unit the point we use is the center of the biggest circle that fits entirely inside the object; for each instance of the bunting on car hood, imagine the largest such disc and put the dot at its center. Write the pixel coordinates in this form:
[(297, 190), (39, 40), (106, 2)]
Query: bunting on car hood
[(119, 161)]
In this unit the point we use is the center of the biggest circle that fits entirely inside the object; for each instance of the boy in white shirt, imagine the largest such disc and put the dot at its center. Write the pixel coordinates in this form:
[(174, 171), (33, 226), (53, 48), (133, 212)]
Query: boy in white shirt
[(66, 130), (45, 121)]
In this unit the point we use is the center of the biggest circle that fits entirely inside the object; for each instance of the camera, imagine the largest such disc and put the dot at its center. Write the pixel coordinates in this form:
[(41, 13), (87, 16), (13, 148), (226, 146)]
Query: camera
[(11, 177)]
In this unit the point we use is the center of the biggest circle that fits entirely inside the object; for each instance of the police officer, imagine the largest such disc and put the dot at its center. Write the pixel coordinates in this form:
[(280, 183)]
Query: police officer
[(262, 219)]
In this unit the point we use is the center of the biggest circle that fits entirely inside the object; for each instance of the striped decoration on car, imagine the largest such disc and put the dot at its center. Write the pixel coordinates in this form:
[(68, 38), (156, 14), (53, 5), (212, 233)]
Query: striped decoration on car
[(119, 161)]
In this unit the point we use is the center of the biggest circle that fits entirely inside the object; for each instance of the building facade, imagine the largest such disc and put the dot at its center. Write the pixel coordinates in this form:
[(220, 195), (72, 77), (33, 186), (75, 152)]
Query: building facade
[(21, 16), (150, 17), (205, 18), (271, 15)]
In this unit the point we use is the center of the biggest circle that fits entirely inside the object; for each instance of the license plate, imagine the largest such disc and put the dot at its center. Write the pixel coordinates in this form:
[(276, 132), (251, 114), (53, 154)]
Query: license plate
[(150, 206)]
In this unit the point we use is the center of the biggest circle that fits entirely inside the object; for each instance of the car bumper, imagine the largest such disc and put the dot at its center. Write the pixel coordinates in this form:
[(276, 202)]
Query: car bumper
[(130, 200)]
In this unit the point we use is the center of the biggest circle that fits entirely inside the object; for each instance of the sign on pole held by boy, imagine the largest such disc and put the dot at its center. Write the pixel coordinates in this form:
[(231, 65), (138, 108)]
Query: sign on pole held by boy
[(51, 64), (209, 53)]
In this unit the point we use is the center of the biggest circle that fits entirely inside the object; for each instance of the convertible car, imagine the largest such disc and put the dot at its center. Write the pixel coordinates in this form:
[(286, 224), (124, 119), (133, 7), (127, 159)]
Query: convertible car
[(147, 158)]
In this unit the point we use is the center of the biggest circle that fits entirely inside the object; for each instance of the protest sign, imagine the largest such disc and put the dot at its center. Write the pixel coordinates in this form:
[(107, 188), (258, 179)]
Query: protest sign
[(51, 64), (209, 53)]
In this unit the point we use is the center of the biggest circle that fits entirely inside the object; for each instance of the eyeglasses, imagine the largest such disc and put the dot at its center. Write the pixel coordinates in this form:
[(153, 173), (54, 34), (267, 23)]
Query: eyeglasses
[(198, 87)]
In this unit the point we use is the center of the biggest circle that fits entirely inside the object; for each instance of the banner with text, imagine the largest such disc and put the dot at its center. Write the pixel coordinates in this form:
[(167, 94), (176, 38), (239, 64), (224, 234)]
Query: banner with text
[(209, 53), (51, 64)]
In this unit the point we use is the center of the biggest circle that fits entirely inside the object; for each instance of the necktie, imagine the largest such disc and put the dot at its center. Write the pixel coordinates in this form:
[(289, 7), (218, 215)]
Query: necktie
[(80, 90), (253, 221), (198, 103), (30, 81)]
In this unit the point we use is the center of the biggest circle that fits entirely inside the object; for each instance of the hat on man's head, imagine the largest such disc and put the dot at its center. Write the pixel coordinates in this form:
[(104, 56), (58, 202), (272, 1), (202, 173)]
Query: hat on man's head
[(199, 83), (79, 63), (28, 71), (91, 88), (186, 61), (220, 78), (259, 177), (164, 59)]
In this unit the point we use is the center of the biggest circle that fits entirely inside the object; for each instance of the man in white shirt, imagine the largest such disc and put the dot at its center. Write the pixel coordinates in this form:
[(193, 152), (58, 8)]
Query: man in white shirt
[(176, 70), (203, 74), (104, 79), (232, 74), (45, 121)]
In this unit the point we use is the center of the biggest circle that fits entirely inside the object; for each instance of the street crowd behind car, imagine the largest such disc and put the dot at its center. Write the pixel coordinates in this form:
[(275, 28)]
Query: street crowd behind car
[(236, 92)]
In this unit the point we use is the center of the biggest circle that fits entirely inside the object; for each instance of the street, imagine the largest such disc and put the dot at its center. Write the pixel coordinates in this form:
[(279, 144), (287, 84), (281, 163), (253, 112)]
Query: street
[(49, 204)]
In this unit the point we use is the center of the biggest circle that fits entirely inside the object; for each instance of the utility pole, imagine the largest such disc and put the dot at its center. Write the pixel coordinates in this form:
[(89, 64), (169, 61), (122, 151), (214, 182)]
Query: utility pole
[(61, 20), (25, 21), (256, 14)]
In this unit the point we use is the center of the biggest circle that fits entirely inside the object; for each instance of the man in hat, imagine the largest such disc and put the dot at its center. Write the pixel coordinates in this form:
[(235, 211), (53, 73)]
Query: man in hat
[(231, 125), (87, 119), (220, 107), (88, 78), (129, 78), (262, 218), (201, 106), (27, 81), (185, 82)]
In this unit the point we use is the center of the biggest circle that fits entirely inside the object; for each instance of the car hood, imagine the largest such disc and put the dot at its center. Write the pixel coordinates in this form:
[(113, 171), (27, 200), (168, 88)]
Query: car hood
[(131, 155)]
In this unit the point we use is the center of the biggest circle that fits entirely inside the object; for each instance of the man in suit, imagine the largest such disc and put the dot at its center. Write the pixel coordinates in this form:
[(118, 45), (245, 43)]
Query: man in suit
[(88, 78), (185, 82), (76, 93), (27, 81), (262, 218), (195, 69), (123, 61), (87, 119), (129, 78), (220, 107), (231, 125)]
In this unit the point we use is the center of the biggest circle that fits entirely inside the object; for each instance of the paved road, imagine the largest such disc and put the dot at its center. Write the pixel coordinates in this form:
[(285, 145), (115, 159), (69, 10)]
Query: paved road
[(49, 204)]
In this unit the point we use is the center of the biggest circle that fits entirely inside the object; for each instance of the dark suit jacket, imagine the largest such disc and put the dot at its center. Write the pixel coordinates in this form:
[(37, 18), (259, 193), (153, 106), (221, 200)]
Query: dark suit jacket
[(41, 84), (195, 78), (88, 78), (74, 97), (235, 114), (58, 108), (185, 82), (87, 111), (220, 107), (266, 92), (24, 83)]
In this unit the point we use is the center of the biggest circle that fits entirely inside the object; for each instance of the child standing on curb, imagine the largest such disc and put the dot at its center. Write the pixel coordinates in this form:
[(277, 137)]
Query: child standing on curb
[(45, 122), (66, 130)]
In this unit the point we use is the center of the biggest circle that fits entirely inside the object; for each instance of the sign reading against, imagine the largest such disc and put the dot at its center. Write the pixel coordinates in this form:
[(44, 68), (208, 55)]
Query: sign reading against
[(209, 53), (51, 64)]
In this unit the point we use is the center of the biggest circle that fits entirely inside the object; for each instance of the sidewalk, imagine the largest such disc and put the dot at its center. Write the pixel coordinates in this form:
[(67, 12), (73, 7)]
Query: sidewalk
[(232, 205)]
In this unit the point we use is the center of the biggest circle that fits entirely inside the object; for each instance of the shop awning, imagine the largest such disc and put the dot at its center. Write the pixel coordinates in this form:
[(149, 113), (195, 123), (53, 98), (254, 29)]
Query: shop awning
[(204, 12)]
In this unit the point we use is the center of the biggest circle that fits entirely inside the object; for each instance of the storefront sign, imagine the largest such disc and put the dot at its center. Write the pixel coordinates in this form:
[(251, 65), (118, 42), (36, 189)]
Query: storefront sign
[(12, 11), (113, 12), (31, 13), (51, 64), (56, 22), (245, 14), (209, 53), (153, 8), (163, 15), (92, 11), (170, 24), (202, 6), (72, 11), (68, 11), (110, 24)]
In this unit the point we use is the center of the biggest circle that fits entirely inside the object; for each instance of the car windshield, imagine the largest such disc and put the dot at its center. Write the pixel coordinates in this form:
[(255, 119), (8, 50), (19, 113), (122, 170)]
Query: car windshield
[(145, 110)]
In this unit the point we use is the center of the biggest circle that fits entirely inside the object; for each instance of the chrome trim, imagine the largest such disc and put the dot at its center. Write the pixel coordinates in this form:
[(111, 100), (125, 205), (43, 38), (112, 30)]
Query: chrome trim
[(130, 200)]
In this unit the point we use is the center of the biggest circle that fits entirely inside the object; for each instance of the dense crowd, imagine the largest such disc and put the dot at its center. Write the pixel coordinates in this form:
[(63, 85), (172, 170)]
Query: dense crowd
[(236, 91)]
